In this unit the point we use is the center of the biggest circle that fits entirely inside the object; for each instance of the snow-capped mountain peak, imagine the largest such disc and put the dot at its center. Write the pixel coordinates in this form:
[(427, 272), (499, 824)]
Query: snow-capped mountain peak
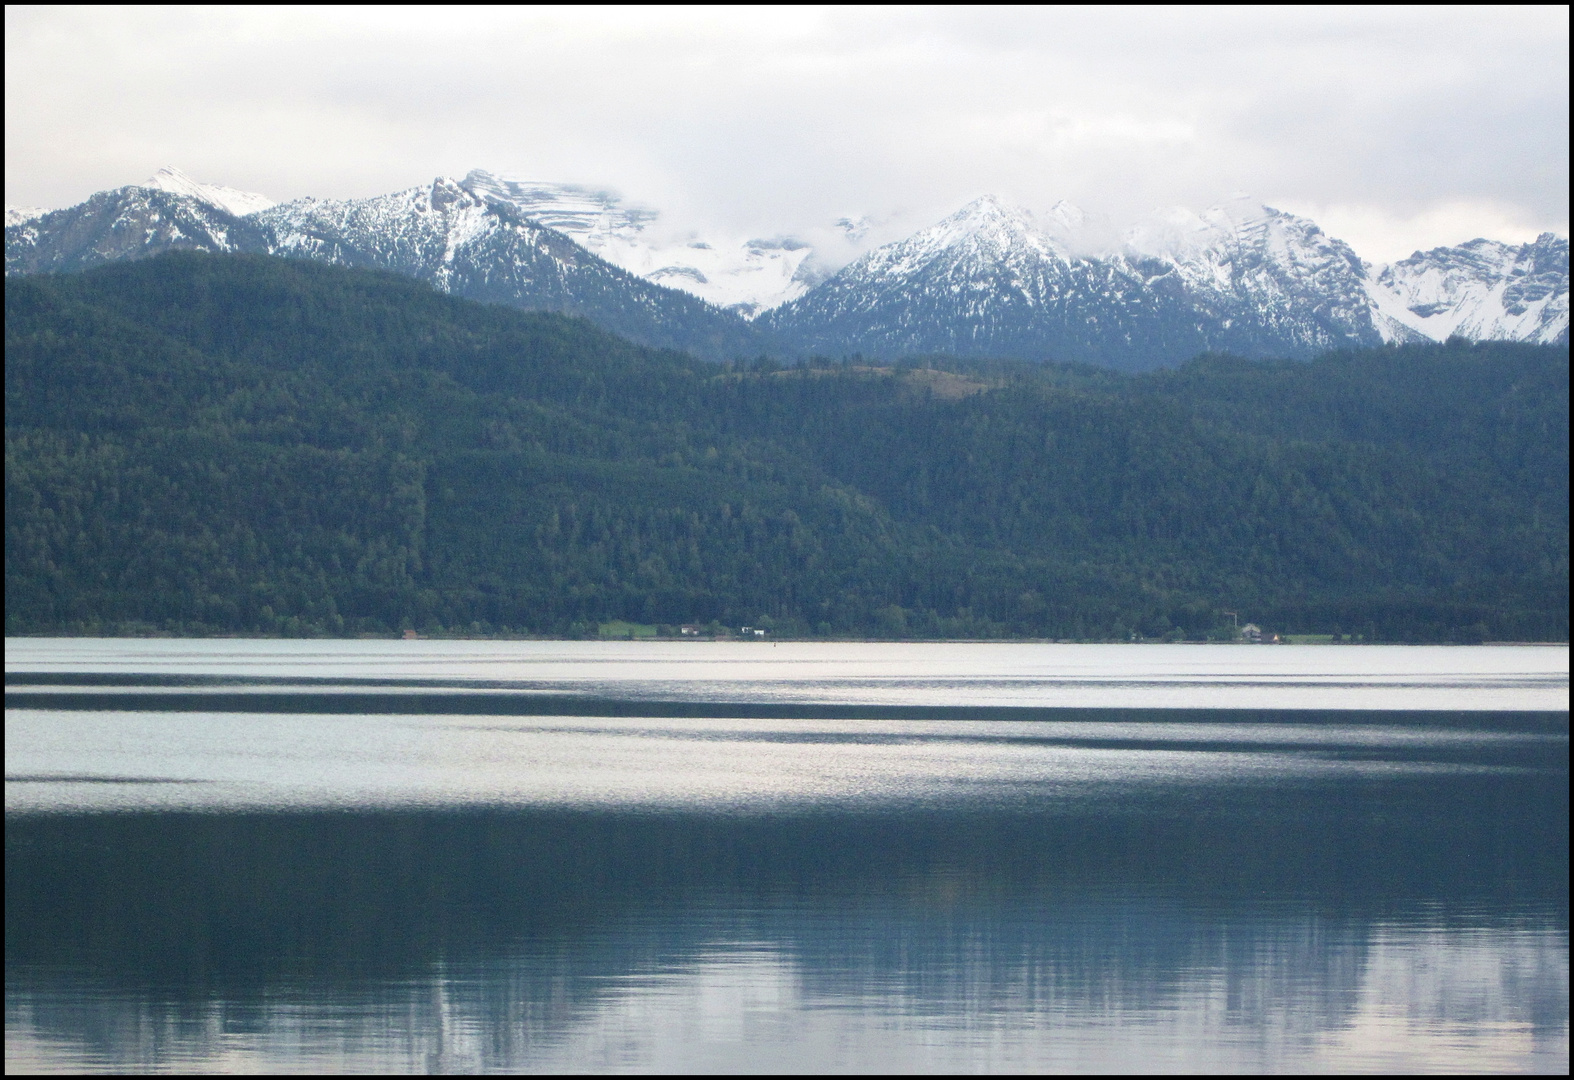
[(994, 279), (987, 215), (1243, 224), (986, 230), (230, 200)]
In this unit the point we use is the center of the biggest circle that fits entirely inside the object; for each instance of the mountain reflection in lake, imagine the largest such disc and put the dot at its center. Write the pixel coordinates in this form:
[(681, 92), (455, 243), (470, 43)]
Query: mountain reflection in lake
[(215, 889)]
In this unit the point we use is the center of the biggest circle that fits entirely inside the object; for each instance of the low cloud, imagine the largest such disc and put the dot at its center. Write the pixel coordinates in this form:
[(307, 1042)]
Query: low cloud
[(1407, 127)]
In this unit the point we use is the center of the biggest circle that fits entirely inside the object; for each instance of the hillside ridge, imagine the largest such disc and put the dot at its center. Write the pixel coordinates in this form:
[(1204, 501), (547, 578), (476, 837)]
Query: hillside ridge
[(243, 444)]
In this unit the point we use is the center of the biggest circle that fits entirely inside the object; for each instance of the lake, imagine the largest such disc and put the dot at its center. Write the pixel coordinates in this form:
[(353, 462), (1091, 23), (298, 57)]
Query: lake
[(471, 856)]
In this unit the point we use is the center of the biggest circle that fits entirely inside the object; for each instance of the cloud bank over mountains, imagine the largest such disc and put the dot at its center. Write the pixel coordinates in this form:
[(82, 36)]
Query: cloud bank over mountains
[(1397, 129)]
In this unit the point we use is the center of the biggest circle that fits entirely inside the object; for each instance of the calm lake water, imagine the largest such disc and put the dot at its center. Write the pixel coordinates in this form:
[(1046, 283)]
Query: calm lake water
[(547, 856)]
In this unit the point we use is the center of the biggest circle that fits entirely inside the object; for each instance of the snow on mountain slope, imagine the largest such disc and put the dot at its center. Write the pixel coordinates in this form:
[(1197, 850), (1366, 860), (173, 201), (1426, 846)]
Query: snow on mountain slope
[(585, 213), (418, 231), (1271, 281), (168, 211), (227, 199), (996, 279), (484, 249), (745, 276), (992, 280), (16, 215), (1482, 290)]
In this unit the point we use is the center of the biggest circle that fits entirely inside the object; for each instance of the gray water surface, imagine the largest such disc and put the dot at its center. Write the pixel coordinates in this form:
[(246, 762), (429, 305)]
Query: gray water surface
[(544, 856), (843, 673)]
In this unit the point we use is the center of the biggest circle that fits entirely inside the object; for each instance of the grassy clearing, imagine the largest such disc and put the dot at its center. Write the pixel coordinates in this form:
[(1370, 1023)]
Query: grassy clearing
[(618, 630)]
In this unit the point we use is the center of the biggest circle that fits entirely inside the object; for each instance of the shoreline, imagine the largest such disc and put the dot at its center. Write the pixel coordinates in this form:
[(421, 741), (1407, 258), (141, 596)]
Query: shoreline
[(758, 641)]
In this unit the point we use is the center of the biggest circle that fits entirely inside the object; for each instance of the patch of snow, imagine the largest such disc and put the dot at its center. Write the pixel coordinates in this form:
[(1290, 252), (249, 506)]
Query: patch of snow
[(230, 200), (746, 275), (1482, 290), (16, 215)]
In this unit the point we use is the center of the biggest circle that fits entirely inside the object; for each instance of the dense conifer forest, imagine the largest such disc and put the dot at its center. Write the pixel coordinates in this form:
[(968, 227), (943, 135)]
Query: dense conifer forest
[(239, 444)]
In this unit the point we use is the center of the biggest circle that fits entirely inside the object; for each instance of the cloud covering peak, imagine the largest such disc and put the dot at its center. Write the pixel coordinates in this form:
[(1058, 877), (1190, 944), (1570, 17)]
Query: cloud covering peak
[(1397, 128)]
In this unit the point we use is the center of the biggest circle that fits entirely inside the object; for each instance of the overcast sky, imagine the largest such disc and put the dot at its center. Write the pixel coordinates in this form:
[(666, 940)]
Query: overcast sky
[(1394, 128)]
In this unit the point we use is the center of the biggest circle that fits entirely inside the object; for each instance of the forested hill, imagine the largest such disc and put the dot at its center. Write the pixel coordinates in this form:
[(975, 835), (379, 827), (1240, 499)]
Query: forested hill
[(206, 444)]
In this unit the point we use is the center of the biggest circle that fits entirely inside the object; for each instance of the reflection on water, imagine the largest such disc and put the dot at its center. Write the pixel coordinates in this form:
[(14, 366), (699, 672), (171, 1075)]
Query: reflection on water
[(1417, 922), (1299, 996), (935, 675), (81, 760), (1103, 890)]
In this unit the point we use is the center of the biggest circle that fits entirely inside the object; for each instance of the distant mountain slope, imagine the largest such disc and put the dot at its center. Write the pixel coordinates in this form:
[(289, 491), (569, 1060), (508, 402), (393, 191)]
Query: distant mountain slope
[(995, 280), (212, 443), (441, 233)]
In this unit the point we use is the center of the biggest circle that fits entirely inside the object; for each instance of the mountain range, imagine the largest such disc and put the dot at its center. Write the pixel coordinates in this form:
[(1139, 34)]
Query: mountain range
[(992, 280)]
